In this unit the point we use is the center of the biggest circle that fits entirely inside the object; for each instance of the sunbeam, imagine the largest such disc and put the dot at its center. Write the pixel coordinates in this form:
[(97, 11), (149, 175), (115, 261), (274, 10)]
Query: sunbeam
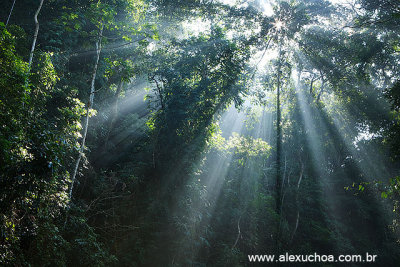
[(199, 133)]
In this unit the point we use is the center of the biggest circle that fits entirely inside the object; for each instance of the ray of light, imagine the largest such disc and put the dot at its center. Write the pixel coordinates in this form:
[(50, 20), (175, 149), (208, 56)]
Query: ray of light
[(315, 143), (210, 176), (371, 165), (368, 163)]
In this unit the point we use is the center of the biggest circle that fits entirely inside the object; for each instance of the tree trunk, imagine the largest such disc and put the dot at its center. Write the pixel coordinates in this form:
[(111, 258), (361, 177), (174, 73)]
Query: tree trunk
[(11, 10), (89, 107), (322, 86), (297, 200), (295, 227), (239, 233), (283, 192), (278, 138), (35, 36), (278, 151)]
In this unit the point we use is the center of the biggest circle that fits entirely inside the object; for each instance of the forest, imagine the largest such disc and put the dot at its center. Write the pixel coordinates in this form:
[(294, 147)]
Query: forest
[(200, 133)]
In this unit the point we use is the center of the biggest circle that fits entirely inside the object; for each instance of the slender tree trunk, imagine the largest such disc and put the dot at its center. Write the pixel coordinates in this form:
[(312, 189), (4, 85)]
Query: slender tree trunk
[(283, 180), (321, 91), (311, 86), (322, 86), (278, 138), (278, 152), (11, 10), (35, 36), (89, 107), (300, 177), (239, 233), (297, 200), (296, 226)]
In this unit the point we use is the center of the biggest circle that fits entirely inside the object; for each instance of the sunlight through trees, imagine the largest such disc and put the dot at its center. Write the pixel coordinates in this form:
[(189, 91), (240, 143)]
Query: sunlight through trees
[(199, 132)]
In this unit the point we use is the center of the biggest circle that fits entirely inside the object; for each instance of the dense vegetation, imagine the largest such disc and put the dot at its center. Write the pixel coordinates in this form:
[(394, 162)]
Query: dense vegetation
[(198, 132)]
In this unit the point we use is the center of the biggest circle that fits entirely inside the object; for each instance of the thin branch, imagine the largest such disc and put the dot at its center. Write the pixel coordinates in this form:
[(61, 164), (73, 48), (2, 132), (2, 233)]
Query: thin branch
[(9, 15), (238, 235), (106, 48), (262, 57), (159, 92)]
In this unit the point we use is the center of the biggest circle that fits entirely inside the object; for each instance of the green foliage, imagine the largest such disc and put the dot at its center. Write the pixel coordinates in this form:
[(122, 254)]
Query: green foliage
[(169, 176), (40, 125), (198, 79), (244, 147)]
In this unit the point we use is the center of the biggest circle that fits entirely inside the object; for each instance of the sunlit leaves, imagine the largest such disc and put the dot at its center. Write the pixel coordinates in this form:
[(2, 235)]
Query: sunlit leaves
[(248, 146), (40, 126), (243, 146), (193, 80), (124, 69)]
